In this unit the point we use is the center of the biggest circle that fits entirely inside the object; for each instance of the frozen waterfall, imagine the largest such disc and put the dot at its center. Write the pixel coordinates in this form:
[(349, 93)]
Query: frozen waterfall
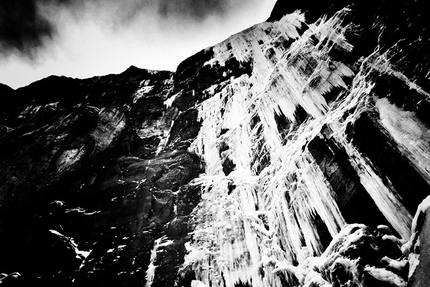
[(275, 141)]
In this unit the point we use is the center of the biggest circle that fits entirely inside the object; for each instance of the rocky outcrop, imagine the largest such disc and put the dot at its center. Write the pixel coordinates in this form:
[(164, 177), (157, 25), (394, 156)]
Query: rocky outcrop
[(294, 152), (88, 183)]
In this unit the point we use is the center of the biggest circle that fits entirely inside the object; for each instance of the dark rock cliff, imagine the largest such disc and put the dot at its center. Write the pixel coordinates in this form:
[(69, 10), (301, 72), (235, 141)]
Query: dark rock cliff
[(293, 153)]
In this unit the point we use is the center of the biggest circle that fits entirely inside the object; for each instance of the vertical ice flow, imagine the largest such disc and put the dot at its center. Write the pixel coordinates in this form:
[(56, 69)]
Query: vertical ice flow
[(268, 211)]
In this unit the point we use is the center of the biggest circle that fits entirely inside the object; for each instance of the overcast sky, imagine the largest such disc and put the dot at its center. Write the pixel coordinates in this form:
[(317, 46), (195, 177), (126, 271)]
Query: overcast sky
[(84, 38)]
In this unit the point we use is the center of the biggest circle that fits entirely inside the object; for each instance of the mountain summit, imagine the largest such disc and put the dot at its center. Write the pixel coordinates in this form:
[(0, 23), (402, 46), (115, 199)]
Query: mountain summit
[(294, 153)]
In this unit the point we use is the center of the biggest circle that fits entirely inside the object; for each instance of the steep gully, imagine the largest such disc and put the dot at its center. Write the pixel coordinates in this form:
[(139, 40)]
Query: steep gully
[(292, 153)]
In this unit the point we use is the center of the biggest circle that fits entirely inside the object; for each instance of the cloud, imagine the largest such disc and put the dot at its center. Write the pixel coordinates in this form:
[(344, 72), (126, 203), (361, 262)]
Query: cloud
[(21, 28), (26, 28)]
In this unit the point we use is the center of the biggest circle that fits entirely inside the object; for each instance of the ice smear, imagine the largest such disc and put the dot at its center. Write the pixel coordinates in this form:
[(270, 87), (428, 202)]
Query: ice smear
[(412, 137), (69, 157), (110, 124), (150, 272)]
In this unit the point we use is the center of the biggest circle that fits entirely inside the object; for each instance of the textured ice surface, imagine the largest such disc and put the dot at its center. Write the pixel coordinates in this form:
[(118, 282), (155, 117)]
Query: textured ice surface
[(267, 213)]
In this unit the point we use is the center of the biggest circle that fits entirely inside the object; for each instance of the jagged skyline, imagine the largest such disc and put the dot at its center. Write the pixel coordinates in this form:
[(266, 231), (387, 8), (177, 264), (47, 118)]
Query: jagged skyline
[(86, 38)]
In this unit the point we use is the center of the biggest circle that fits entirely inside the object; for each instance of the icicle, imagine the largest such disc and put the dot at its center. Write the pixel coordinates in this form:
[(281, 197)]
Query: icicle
[(386, 198)]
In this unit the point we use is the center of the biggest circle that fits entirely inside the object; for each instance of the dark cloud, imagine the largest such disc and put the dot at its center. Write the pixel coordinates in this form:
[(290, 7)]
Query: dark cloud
[(21, 27)]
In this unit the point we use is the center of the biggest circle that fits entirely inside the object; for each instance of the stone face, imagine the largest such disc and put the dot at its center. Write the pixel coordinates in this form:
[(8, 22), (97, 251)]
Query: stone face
[(292, 153), (79, 180)]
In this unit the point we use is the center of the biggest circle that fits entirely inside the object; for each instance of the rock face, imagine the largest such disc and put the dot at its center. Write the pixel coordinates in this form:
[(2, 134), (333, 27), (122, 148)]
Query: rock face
[(295, 152)]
